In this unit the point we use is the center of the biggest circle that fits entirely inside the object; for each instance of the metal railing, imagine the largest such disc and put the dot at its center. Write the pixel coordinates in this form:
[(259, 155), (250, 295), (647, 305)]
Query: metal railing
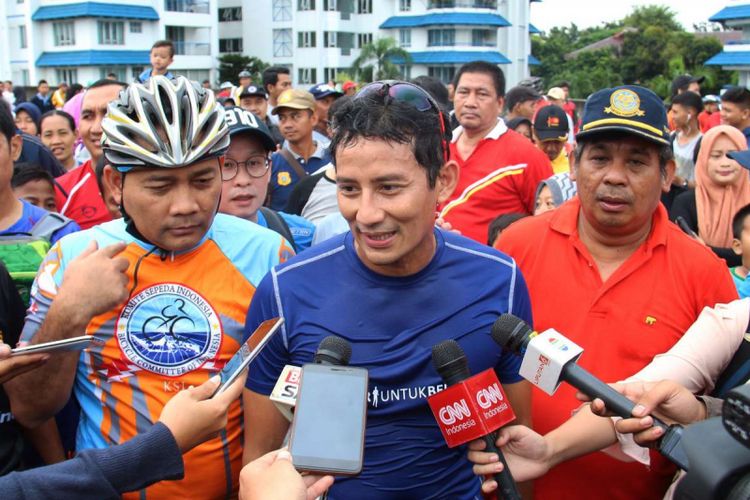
[(192, 48), (192, 6), (449, 4)]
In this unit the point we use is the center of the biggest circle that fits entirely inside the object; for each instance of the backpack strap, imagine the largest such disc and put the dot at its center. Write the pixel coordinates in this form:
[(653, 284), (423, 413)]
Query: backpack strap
[(49, 224), (292, 161), (277, 223)]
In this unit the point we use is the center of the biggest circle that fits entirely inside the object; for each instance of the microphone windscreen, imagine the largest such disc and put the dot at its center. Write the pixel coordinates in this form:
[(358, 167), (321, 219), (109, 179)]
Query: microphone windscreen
[(335, 349), (511, 332)]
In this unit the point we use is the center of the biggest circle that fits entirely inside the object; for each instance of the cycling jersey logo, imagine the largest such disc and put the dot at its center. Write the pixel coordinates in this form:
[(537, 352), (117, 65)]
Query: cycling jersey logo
[(169, 329)]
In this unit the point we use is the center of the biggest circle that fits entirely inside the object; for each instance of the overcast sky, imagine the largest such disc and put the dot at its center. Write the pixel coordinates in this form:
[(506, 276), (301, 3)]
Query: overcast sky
[(585, 13)]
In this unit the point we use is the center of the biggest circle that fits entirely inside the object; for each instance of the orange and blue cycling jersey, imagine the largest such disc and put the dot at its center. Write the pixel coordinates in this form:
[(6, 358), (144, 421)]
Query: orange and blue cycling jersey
[(182, 322)]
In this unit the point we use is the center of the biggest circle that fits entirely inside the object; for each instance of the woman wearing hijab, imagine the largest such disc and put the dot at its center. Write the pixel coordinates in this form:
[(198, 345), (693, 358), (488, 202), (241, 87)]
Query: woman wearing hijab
[(27, 118), (722, 187)]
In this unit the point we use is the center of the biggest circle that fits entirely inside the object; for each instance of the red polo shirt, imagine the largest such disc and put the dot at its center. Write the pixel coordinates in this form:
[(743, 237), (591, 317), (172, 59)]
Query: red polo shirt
[(640, 311), (500, 177), (81, 199)]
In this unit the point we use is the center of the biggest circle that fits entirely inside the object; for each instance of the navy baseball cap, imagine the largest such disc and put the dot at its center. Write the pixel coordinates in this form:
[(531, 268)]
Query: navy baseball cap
[(322, 90), (630, 108), (253, 90), (240, 120), (551, 123), (741, 157)]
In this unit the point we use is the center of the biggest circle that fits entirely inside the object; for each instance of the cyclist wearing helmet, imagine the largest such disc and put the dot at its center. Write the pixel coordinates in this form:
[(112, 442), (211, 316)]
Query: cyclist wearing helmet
[(166, 291)]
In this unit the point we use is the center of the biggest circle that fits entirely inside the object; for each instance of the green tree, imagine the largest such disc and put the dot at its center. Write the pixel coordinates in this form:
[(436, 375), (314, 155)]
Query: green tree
[(230, 66), (377, 60)]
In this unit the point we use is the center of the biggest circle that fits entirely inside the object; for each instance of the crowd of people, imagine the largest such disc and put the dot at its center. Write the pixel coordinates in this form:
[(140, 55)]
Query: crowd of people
[(168, 221)]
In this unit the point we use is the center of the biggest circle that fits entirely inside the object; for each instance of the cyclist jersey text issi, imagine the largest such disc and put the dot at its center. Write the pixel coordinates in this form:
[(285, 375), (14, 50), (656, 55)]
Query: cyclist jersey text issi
[(182, 322)]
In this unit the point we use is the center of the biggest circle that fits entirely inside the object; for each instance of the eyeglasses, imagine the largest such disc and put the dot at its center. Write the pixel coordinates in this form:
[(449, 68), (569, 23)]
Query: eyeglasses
[(412, 95), (255, 166)]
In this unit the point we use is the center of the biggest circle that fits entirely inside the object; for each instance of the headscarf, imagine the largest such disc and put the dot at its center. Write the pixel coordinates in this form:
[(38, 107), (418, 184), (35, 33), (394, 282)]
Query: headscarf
[(561, 186), (32, 111), (716, 205)]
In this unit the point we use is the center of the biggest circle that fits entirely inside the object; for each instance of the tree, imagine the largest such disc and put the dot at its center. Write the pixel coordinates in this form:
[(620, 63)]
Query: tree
[(378, 60), (230, 66)]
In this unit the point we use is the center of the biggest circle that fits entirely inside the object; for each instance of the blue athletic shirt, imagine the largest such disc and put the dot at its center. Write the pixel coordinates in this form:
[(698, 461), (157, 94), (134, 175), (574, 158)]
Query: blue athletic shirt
[(302, 229), (31, 215), (392, 324)]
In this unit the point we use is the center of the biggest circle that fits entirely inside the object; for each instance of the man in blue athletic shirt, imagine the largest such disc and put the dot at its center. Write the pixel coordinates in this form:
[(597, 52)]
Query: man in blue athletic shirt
[(393, 287)]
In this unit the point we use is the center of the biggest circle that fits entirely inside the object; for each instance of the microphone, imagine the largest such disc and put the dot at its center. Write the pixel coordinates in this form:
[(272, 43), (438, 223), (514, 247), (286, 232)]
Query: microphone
[(332, 350), (549, 359), (471, 408)]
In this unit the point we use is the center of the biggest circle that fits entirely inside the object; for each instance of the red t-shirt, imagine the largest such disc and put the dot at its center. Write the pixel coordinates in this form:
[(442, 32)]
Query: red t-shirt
[(640, 311), (500, 177), (708, 120), (81, 199)]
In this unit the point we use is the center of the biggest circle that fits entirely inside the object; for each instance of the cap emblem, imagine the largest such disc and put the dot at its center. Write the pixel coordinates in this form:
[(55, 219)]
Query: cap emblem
[(626, 103)]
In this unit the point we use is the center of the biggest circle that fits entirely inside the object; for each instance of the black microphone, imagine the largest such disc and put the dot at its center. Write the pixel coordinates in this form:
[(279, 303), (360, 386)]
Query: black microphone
[(450, 362), (514, 334), (333, 350)]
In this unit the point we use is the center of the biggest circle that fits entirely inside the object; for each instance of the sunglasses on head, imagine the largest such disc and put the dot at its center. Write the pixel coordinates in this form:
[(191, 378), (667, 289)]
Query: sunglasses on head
[(410, 94)]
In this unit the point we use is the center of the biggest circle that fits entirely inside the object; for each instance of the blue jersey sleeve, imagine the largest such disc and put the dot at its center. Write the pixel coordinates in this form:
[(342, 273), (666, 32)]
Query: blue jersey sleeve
[(70, 227), (302, 230), (519, 305), (269, 364)]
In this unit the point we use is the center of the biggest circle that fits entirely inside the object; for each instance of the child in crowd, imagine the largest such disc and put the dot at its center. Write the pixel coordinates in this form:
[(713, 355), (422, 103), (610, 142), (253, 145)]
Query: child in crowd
[(741, 247), (35, 185), (162, 55), (500, 224)]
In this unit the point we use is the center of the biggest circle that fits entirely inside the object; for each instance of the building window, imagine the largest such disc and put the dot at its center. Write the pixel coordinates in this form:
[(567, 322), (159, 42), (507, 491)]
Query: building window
[(177, 35), (66, 75), (111, 33), (404, 5), (330, 74), (22, 37), (363, 39), (484, 38), (405, 72), (194, 75), (229, 14), (329, 38), (330, 5), (282, 43), (306, 39), (441, 37), (230, 45), (443, 73), (135, 72), (64, 33), (119, 71), (305, 4), (282, 10), (136, 27), (25, 77), (404, 37), (364, 6), (307, 76)]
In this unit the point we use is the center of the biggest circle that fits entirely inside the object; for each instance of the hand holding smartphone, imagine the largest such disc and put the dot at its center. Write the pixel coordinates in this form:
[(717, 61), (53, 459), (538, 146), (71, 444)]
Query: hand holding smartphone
[(64, 345), (328, 429)]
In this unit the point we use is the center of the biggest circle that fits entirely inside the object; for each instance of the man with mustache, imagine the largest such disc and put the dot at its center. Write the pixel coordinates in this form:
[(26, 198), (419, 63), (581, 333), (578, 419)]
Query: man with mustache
[(609, 271), (245, 175), (500, 169)]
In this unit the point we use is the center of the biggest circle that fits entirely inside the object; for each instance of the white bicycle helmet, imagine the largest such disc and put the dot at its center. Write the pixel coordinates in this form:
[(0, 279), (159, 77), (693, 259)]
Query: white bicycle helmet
[(163, 123)]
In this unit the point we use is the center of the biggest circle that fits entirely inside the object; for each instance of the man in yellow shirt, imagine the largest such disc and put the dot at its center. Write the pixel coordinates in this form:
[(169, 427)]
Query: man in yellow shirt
[(551, 135), (59, 96)]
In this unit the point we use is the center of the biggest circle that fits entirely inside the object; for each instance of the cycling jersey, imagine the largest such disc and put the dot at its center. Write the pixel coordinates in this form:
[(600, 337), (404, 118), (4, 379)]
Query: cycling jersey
[(181, 324)]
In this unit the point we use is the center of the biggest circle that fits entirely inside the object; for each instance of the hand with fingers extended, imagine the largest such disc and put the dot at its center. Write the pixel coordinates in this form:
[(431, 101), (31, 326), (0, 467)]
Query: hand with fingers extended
[(527, 453), (95, 281), (193, 416), (273, 477), (12, 367), (667, 400)]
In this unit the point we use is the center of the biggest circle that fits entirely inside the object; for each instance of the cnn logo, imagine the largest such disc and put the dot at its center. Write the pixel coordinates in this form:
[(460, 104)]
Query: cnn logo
[(452, 413)]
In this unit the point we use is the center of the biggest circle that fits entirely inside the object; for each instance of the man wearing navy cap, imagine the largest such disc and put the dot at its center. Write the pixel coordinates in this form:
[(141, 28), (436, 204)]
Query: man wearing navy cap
[(551, 131), (245, 175), (324, 95), (610, 272), (254, 98)]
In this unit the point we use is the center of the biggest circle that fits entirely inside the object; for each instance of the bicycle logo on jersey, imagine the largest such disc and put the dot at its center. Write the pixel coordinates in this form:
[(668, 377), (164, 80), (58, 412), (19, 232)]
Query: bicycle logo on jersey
[(169, 329)]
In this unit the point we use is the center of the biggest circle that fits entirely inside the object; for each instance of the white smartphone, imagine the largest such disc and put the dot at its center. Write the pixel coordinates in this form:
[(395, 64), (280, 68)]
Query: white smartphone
[(248, 351), (64, 345), (328, 429)]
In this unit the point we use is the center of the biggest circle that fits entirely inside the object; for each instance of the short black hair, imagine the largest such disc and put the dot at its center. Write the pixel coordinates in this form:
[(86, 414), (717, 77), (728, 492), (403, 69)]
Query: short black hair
[(500, 224), (58, 112), (562, 83), (41, 82), (106, 82), (376, 116), (207, 81), (24, 173), (7, 123), (737, 95), (271, 75), (73, 90), (164, 43), (434, 87), (664, 150), (493, 70), (738, 221), (335, 106), (689, 100), (520, 94), (114, 76)]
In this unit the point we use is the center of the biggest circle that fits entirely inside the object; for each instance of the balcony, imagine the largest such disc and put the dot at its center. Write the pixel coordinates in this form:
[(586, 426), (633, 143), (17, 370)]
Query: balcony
[(190, 6), (192, 48), (473, 4)]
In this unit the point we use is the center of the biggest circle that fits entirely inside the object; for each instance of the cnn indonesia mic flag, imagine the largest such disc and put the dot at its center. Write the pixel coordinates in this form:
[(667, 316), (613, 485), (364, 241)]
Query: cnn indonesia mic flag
[(471, 409)]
